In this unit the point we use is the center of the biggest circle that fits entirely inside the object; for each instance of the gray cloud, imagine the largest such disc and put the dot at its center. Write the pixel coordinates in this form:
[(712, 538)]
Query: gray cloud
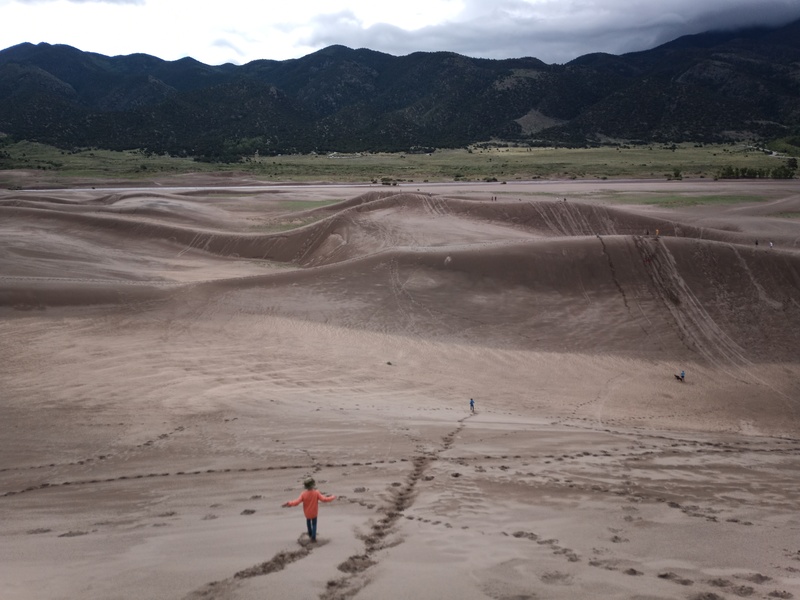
[(555, 32), (222, 43)]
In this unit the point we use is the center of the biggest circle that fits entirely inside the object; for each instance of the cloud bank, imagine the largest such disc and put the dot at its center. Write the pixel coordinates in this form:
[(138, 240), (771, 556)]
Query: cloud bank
[(240, 31), (554, 31)]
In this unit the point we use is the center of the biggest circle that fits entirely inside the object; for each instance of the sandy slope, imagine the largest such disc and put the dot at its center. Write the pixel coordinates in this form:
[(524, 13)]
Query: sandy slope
[(175, 362)]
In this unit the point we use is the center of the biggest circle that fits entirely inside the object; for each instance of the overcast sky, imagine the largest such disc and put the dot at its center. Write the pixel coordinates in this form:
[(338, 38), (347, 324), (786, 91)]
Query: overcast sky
[(239, 31)]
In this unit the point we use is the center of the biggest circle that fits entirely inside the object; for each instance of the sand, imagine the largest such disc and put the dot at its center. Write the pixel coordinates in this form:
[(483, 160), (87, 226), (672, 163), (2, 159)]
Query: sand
[(175, 361)]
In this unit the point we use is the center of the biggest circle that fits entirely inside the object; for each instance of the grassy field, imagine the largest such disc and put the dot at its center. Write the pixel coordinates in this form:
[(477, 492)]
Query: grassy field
[(668, 200), (475, 164)]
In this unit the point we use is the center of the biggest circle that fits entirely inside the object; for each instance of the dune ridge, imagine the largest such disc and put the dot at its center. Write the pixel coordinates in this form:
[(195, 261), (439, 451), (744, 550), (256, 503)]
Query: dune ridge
[(719, 295), (176, 362)]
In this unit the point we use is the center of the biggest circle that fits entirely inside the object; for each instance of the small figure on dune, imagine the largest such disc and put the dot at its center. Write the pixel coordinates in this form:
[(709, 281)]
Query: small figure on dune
[(656, 232), (681, 377), (770, 244), (310, 498), (471, 405), (756, 242)]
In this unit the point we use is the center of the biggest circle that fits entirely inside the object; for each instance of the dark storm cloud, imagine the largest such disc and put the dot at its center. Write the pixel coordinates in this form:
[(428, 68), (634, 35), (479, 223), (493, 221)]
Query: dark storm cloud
[(555, 31)]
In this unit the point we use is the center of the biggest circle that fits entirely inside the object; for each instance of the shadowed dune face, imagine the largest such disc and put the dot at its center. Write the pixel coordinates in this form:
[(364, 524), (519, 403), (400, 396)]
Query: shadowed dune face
[(539, 274)]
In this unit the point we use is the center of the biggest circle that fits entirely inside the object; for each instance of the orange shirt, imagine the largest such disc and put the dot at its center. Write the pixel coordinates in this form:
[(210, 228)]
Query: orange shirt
[(310, 500)]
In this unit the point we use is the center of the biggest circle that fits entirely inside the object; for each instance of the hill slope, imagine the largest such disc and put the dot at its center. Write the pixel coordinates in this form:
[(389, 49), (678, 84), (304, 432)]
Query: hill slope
[(708, 87)]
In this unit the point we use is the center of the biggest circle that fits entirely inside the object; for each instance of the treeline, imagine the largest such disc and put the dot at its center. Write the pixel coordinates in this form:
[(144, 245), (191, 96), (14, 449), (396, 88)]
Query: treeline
[(706, 88), (784, 171)]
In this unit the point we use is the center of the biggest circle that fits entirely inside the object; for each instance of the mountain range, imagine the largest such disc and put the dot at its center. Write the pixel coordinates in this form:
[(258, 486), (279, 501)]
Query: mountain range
[(711, 87)]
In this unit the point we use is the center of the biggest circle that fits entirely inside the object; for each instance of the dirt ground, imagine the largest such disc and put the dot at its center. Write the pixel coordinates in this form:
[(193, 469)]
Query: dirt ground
[(175, 361)]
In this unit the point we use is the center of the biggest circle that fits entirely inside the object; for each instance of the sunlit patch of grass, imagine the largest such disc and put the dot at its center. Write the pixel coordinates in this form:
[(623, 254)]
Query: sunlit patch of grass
[(475, 164), (669, 200), (93, 162)]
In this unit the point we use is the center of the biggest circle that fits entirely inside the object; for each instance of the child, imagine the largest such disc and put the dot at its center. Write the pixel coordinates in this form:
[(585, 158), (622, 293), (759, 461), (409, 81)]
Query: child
[(310, 499)]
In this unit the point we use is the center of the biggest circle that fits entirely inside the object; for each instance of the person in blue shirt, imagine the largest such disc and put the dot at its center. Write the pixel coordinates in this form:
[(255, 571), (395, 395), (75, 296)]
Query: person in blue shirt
[(471, 405), (683, 375)]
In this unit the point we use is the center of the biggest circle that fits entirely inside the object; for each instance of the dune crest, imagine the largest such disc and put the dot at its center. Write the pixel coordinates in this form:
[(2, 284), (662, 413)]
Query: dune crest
[(176, 362)]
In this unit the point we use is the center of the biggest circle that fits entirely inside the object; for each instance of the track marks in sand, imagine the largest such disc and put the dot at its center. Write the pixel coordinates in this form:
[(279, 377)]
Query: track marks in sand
[(754, 586), (201, 472), (614, 277), (435, 206), (314, 466), (401, 498), (552, 544), (100, 457), (224, 588), (570, 220), (698, 329), (598, 401)]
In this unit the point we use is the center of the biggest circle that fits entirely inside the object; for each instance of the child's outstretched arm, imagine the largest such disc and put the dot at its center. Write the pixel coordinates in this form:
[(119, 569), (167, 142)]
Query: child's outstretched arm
[(325, 498), (292, 502)]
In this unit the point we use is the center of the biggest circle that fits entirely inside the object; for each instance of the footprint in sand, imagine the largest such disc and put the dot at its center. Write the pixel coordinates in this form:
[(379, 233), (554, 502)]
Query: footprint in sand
[(73, 534), (674, 577), (356, 564), (755, 578), (743, 591), (619, 540), (556, 578)]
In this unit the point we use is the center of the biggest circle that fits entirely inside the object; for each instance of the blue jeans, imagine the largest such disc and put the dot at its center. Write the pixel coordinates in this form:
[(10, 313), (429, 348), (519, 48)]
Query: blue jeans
[(312, 528)]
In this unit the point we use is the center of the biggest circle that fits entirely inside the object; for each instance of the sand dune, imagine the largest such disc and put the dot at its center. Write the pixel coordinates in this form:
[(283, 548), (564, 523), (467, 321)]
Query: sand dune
[(176, 361)]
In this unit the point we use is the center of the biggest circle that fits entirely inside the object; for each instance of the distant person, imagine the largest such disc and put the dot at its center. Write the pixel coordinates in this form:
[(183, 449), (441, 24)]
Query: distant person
[(310, 498), (471, 405), (756, 242), (683, 375), (656, 232), (770, 245)]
